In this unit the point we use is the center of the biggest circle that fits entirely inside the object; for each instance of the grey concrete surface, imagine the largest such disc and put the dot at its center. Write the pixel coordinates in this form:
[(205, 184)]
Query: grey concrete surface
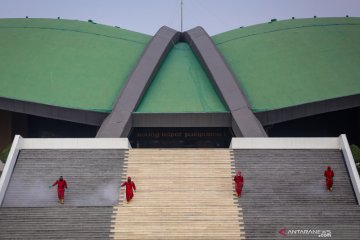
[(92, 177), (59, 222), (286, 189)]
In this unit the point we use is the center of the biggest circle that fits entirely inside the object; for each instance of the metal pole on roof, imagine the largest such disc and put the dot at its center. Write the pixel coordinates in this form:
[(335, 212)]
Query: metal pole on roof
[(181, 18)]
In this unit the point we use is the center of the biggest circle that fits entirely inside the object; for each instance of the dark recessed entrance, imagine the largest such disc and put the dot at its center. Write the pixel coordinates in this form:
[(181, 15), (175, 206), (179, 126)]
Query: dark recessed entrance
[(330, 124), (180, 137)]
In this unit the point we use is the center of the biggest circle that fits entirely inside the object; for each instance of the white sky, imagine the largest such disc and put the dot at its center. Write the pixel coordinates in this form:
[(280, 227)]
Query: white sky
[(147, 16)]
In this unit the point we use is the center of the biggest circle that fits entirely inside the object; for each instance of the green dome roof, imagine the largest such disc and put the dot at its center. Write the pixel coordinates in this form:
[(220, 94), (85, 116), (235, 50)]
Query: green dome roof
[(66, 63), (288, 63), (82, 65), (181, 86)]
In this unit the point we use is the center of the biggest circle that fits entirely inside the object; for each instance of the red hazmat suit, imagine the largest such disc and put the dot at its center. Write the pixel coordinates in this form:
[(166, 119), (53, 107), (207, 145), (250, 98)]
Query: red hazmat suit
[(61, 188), (329, 174), (239, 183), (130, 185)]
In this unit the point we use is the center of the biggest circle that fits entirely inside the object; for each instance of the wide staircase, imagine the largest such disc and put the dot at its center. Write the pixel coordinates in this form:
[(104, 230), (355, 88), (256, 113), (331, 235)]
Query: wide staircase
[(181, 194), (60, 222), (285, 189), (31, 210), (92, 177)]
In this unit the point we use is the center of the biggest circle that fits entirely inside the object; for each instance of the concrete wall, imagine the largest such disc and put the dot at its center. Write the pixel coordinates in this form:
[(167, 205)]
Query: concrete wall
[(9, 166), (75, 143), (350, 164), (5, 129), (284, 143), (20, 124)]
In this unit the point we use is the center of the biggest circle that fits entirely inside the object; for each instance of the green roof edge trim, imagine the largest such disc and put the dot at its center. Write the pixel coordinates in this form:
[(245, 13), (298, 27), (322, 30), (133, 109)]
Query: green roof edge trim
[(73, 26)]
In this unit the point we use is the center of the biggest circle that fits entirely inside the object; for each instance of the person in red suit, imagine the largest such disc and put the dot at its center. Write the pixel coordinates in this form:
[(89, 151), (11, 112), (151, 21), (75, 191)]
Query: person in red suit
[(130, 185), (329, 174), (62, 185), (239, 183)]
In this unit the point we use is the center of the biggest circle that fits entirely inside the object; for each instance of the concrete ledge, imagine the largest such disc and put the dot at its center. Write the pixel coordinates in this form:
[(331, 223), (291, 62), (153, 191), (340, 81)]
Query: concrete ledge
[(181, 119), (54, 112), (75, 143), (284, 143), (308, 109), (350, 164), (9, 166)]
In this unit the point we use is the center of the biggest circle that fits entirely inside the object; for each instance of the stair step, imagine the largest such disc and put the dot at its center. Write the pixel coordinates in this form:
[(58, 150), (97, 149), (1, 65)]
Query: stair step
[(180, 194)]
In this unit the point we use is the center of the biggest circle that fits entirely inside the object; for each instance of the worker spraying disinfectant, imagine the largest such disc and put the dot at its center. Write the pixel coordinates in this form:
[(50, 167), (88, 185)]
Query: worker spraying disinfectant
[(62, 185), (130, 185)]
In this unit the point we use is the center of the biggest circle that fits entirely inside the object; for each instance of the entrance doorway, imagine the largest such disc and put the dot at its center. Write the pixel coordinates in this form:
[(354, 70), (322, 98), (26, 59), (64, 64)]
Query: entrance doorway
[(180, 137)]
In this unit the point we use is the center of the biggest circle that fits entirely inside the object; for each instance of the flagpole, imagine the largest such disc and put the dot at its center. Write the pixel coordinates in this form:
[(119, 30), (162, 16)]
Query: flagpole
[(181, 18)]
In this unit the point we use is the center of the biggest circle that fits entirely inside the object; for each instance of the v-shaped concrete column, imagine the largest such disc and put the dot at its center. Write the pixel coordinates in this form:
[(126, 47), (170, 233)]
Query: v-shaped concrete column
[(118, 123), (244, 122)]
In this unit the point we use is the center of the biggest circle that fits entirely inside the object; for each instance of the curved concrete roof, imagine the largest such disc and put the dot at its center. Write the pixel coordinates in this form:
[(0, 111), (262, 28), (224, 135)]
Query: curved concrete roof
[(294, 62), (66, 63)]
